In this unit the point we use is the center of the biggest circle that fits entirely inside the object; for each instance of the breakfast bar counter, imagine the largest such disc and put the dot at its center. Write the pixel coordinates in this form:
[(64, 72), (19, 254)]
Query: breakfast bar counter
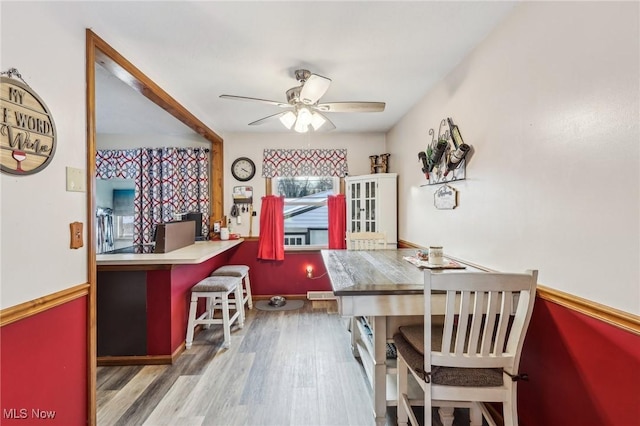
[(198, 252), (143, 300)]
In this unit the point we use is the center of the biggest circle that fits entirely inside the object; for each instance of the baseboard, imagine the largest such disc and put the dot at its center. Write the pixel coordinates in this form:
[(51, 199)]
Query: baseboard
[(134, 360), (286, 296), (321, 295)]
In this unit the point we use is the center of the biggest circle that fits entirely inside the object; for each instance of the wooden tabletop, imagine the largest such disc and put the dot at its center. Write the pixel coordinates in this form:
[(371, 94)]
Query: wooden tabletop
[(375, 272)]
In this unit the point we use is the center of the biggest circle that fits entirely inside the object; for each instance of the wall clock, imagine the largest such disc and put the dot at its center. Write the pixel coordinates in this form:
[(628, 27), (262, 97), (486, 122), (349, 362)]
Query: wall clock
[(243, 169)]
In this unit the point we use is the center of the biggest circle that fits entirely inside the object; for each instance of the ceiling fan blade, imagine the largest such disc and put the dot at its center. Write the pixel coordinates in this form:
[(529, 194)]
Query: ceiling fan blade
[(268, 118), (264, 101), (313, 89), (351, 107)]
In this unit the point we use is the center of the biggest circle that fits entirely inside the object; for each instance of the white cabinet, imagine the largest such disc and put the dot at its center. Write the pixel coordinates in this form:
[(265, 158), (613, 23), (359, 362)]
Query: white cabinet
[(372, 205)]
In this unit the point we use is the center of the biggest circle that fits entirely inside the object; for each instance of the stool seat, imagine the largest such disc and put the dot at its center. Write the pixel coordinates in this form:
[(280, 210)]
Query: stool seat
[(231, 270), (216, 290), (241, 271), (217, 283)]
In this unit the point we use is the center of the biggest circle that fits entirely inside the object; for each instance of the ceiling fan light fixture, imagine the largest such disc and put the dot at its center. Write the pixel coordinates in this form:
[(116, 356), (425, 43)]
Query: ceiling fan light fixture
[(288, 119), (317, 120), (303, 121)]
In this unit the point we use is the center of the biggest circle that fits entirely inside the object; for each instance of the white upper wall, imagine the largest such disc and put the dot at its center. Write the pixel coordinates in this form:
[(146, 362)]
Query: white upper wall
[(359, 147), (550, 102), (37, 209)]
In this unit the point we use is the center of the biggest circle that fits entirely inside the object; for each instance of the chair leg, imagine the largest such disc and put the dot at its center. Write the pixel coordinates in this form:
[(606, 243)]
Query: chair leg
[(192, 319), (509, 412), (247, 288), (475, 415)]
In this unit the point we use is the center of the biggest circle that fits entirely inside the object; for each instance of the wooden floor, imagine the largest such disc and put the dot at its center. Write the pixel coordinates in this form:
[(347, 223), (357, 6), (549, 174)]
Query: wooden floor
[(283, 368)]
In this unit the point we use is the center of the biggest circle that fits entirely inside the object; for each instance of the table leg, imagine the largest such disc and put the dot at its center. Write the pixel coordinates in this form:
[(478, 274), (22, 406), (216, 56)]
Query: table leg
[(355, 335), (380, 370)]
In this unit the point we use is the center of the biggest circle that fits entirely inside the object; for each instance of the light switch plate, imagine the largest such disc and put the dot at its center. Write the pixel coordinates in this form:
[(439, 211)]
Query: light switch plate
[(76, 181), (76, 235)]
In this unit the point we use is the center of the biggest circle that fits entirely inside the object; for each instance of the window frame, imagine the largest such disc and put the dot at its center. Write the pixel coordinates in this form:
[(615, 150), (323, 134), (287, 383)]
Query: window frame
[(338, 186)]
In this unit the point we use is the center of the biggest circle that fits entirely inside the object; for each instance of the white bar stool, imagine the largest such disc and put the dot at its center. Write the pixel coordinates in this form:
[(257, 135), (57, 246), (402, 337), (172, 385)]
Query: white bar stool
[(216, 290), (241, 271)]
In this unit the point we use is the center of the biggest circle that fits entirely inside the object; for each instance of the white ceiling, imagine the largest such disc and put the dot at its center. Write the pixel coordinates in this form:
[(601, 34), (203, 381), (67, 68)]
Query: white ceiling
[(391, 52)]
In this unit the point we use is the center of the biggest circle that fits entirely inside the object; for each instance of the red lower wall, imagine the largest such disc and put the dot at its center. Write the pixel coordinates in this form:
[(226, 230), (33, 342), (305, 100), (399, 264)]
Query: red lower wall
[(283, 277), (581, 371), (43, 367)]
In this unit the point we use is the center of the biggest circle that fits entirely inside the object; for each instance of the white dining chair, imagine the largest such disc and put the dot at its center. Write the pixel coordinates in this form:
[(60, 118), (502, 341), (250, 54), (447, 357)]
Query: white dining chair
[(472, 356)]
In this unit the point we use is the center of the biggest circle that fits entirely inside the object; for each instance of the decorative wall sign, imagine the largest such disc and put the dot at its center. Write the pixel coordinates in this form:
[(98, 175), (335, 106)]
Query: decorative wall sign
[(445, 198), (27, 131)]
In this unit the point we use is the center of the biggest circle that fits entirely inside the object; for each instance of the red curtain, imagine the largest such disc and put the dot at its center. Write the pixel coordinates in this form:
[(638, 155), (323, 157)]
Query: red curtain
[(271, 243), (337, 221)]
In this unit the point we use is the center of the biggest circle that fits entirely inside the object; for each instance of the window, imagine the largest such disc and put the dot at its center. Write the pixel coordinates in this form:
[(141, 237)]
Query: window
[(123, 212), (306, 215)]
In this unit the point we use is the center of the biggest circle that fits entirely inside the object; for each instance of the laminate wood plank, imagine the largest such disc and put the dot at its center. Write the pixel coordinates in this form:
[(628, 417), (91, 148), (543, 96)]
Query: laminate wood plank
[(113, 410), (224, 375), (171, 404), (115, 378)]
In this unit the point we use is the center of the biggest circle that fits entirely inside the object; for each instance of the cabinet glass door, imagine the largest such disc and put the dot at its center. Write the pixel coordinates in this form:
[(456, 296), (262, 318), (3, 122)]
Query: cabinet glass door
[(370, 207), (356, 206)]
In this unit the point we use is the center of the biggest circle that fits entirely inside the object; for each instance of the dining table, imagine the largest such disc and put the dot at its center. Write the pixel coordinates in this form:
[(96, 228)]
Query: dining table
[(381, 290)]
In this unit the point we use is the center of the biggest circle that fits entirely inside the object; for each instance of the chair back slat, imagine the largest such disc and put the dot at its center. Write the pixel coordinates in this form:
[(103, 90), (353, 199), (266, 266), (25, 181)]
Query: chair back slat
[(481, 326), (476, 322), (489, 322), (449, 322), (463, 321), (503, 323)]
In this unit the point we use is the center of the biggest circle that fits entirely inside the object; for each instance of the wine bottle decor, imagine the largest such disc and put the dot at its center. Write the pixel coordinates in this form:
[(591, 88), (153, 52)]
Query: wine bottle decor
[(444, 159)]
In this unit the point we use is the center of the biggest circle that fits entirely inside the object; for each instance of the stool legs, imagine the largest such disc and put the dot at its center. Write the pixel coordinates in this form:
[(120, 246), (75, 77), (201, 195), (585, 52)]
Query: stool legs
[(192, 319), (247, 290), (226, 329), (216, 300), (239, 309)]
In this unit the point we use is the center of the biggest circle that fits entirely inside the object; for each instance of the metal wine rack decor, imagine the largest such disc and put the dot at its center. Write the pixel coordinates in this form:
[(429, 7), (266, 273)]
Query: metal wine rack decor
[(446, 156)]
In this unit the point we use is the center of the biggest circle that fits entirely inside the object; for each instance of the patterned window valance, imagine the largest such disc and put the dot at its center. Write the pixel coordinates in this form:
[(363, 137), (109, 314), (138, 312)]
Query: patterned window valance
[(118, 163), (304, 162)]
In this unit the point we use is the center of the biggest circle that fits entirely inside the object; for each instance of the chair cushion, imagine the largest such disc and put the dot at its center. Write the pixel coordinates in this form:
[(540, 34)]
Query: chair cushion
[(231, 270), (217, 284), (409, 342)]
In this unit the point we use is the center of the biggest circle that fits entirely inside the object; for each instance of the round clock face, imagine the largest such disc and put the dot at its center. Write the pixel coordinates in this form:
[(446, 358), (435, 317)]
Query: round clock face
[(243, 169)]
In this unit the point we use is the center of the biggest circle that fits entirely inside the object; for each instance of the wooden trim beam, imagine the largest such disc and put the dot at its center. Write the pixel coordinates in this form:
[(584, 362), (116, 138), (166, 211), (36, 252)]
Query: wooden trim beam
[(41, 304), (99, 52), (615, 317)]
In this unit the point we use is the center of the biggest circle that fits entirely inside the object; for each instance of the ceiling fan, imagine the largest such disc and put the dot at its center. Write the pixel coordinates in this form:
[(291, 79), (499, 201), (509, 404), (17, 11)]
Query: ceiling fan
[(303, 110)]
